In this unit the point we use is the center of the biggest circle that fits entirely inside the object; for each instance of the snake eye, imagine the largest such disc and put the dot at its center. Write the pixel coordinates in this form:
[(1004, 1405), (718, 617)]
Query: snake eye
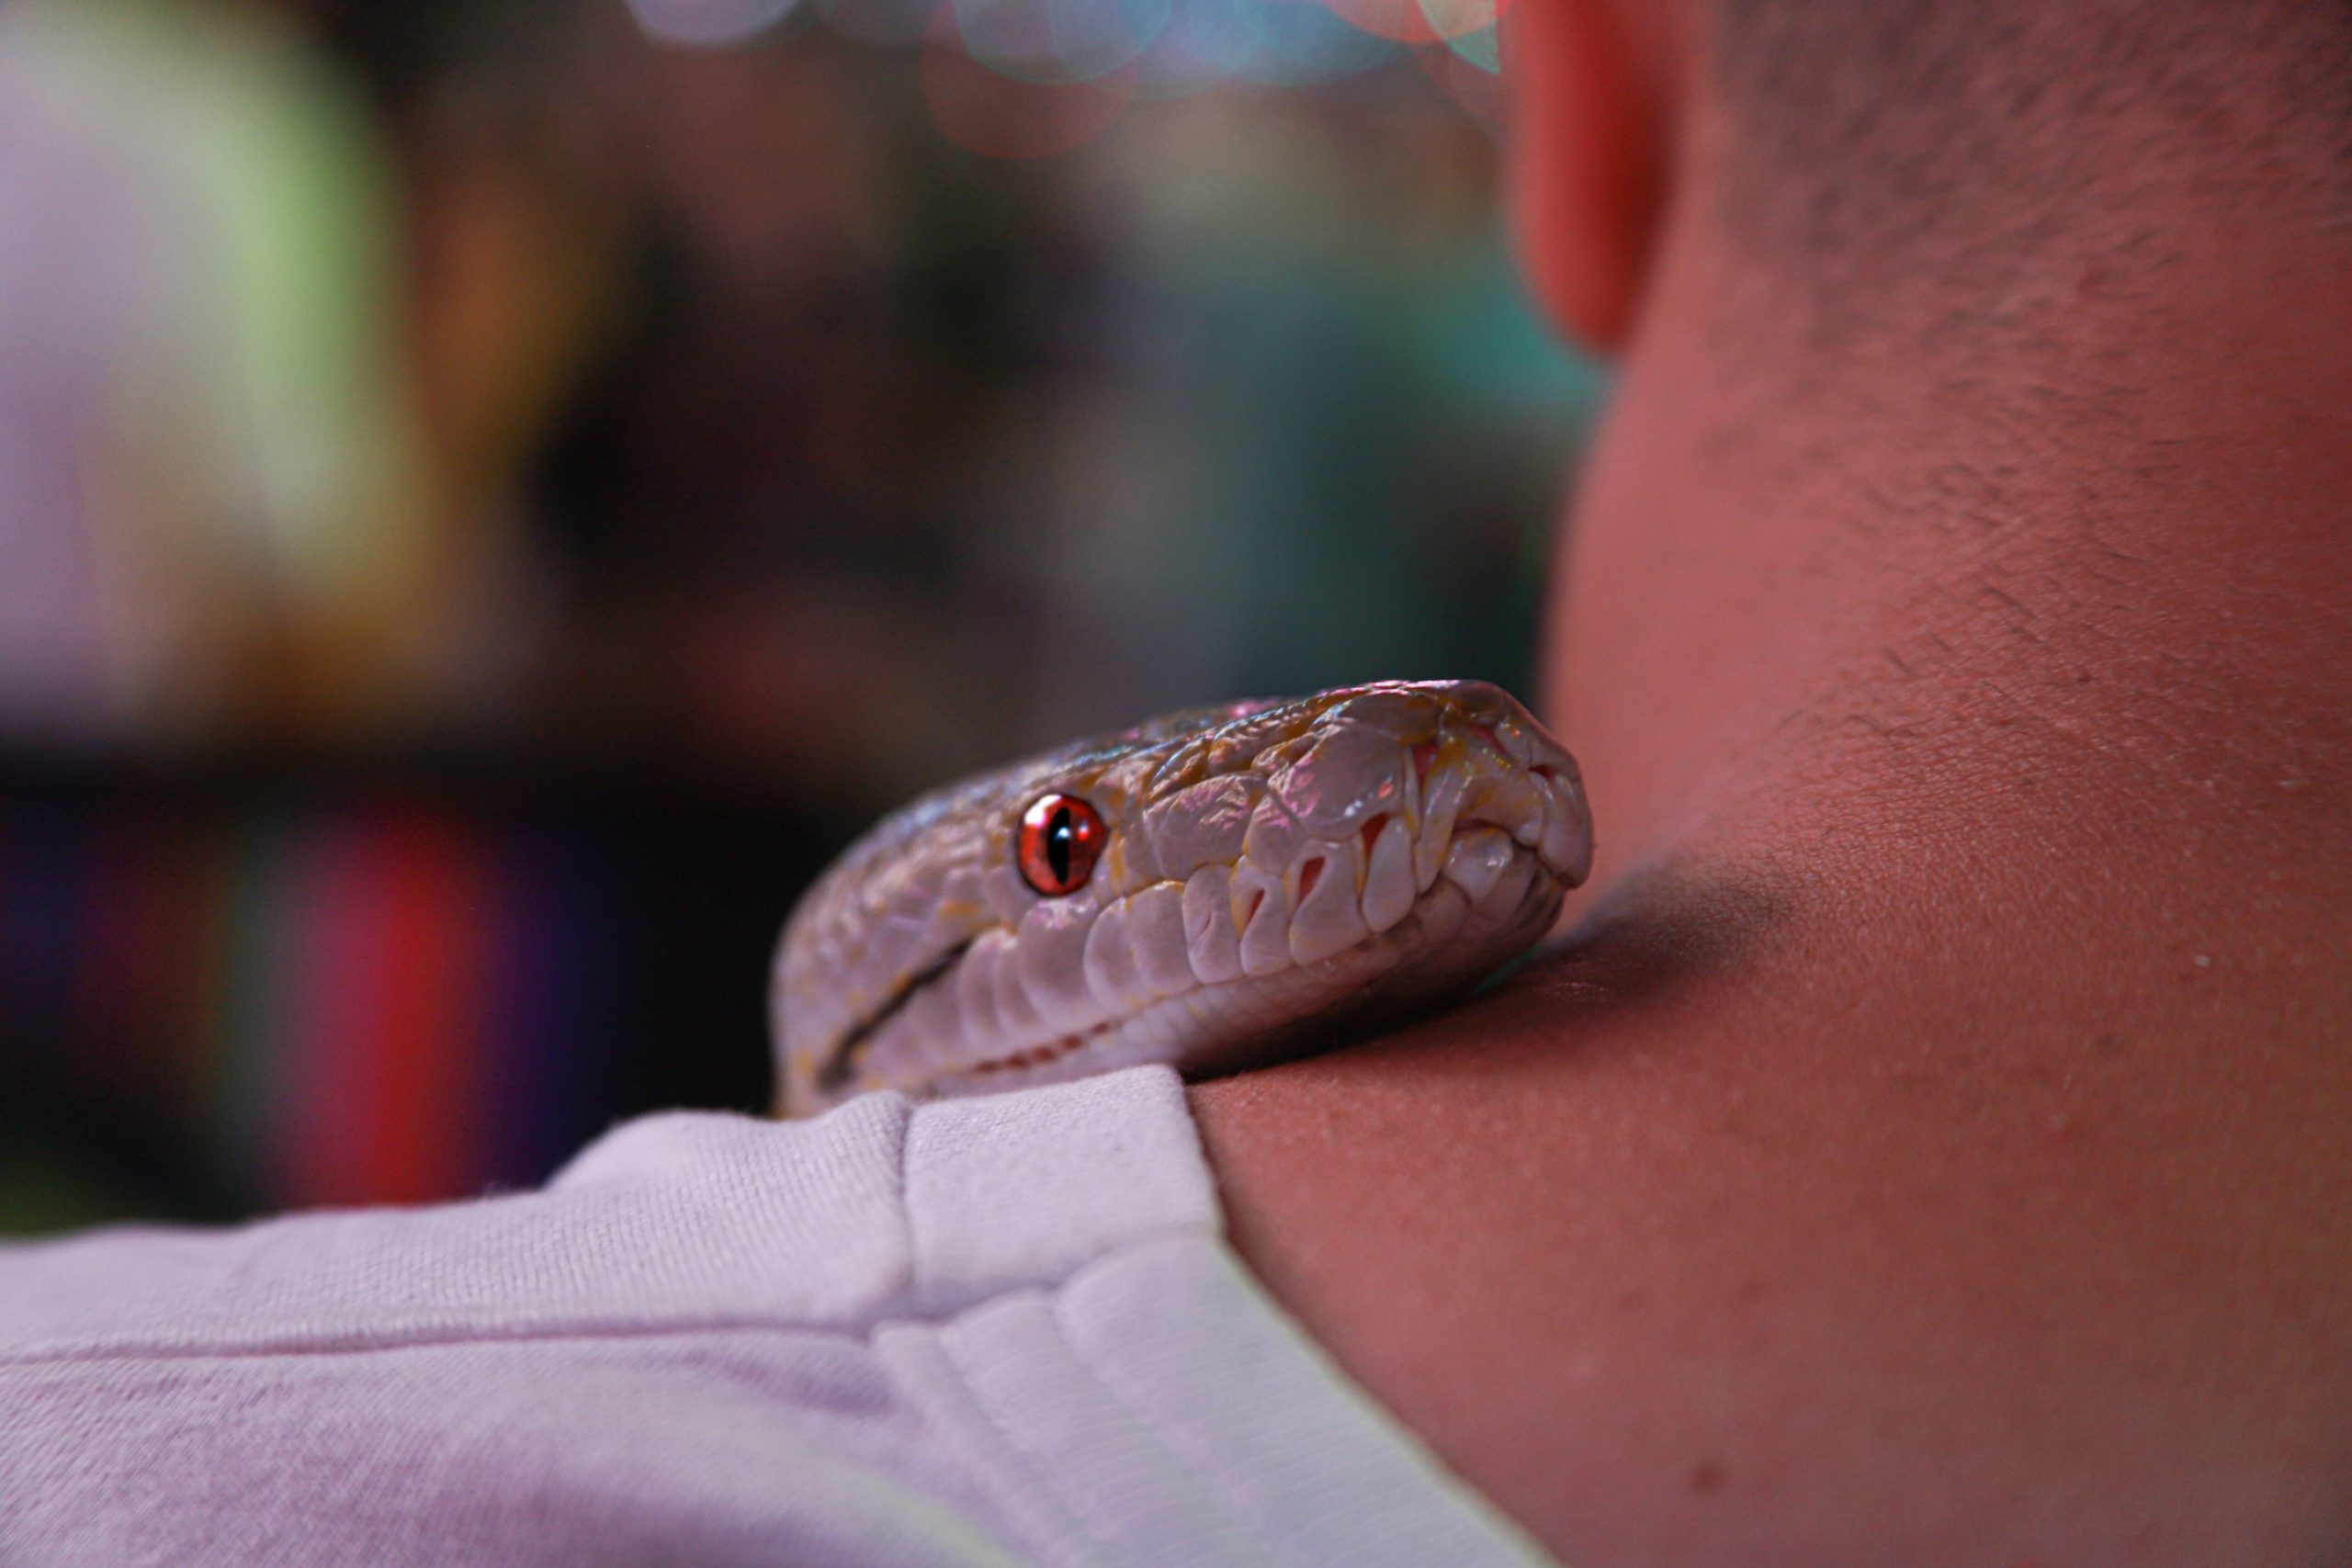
[(1061, 838)]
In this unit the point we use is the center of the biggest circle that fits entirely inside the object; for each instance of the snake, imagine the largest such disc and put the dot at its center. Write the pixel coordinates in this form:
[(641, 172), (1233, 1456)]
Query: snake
[(1213, 889)]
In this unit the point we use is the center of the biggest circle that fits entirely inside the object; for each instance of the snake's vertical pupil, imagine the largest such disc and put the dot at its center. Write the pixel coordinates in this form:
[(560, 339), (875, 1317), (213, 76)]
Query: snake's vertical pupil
[(1061, 838), (1057, 843)]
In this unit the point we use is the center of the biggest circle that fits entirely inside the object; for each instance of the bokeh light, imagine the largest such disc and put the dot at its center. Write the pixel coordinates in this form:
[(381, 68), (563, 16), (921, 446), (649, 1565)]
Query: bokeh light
[(1207, 42), (1401, 22), (988, 111), (1306, 40), (1056, 42), (1476, 86), (709, 22), (1124, 50), (884, 24), (1457, 19)]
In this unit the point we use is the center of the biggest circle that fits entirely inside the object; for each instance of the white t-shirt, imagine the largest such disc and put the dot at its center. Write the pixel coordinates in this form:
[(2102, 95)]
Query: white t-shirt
[(991, 1331)]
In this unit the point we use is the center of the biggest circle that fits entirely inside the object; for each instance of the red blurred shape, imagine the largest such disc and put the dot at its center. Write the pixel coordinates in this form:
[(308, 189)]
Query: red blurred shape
[(388, 1043)]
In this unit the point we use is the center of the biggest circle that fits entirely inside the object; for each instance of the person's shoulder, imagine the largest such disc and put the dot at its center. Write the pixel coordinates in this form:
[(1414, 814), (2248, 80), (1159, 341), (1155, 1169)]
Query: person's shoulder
[(1768, 1225), (883, 1208), (675, 1217), (973, 1331)]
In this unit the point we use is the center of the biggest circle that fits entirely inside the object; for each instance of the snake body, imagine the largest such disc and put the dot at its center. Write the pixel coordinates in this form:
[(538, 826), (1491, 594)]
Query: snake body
[(1213, 888)]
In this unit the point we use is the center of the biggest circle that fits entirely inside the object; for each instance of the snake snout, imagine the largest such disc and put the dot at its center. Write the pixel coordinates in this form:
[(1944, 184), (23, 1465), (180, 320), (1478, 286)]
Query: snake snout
[(1393, 790), (1466, 756)]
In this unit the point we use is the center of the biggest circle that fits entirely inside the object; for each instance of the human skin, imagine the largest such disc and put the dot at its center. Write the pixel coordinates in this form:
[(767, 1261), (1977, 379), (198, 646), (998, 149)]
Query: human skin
[(1928, 1144)]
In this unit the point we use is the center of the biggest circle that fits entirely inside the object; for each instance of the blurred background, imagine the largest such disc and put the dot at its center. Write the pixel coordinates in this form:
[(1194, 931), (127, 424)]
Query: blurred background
[(492, 495)]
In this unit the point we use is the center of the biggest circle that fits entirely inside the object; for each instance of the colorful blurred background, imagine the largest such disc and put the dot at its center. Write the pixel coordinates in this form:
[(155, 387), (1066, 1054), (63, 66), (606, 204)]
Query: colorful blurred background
[(494, 493)]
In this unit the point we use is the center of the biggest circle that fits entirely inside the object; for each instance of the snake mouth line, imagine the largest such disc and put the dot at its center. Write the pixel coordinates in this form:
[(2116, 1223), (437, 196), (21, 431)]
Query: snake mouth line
[(841, 1065), (1038, 1055)]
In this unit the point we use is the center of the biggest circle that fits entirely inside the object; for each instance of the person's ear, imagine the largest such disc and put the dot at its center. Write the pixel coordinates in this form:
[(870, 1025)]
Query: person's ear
[(1588, 156)]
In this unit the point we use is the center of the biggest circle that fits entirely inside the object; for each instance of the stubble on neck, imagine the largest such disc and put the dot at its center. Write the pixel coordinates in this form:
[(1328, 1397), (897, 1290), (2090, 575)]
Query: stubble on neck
[(2068, 551)]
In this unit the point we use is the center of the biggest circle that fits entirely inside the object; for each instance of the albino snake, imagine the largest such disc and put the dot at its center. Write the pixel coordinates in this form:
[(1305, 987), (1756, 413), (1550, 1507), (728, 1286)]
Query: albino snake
[(1215, 888)]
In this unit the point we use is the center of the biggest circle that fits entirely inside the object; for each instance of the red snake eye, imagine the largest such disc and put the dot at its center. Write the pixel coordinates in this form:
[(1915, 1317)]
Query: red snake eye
[(1061, 838)]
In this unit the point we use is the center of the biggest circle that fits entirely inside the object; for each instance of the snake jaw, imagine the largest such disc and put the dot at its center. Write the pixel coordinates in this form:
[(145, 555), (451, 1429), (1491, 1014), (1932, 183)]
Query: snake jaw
[(1271, 870)]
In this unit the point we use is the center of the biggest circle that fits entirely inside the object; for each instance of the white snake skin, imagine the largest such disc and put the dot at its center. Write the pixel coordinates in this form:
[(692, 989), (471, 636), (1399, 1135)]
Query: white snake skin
[(1447, 825)]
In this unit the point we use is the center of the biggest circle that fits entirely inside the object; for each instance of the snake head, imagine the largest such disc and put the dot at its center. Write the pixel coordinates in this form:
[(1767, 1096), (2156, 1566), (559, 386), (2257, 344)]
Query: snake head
[(1212, 889)]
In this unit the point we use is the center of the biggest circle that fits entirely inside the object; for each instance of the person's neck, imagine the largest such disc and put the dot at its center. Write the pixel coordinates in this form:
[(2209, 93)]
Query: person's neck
[(1947, 1061), (2080, 548)]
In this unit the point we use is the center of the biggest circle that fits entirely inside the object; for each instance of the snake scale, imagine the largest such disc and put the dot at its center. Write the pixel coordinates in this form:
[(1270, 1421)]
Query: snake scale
[(1215, 888)]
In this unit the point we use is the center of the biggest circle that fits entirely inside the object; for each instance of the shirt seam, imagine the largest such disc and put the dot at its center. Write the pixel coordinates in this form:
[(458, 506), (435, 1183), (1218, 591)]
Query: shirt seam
[(923, 1306), (427, 1339), (1212, 1484), (1041, 1480)]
